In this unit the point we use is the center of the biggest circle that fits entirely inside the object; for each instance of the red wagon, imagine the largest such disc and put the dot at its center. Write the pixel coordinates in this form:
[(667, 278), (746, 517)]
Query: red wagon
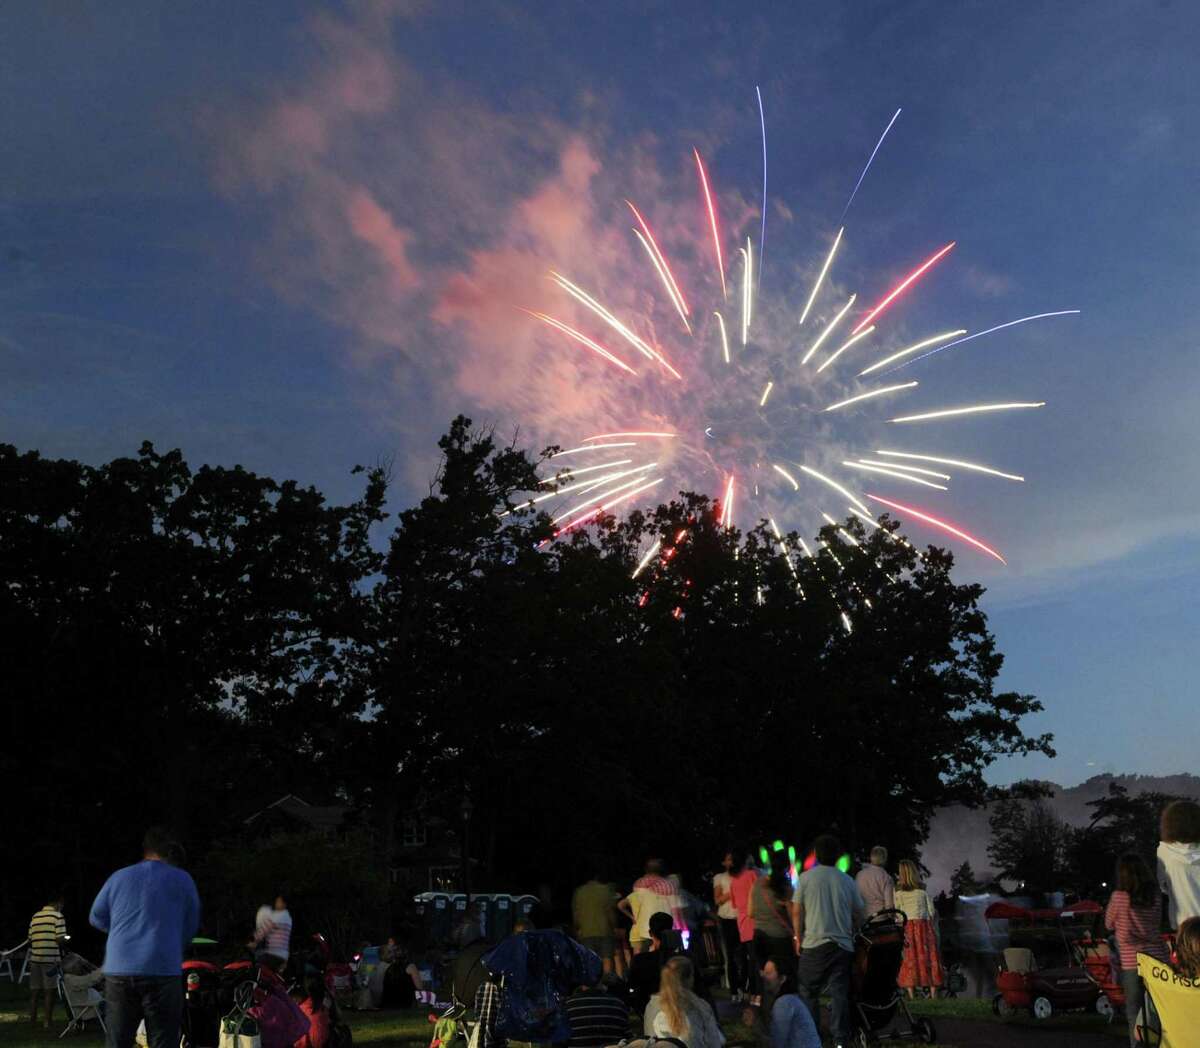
[(1054, 962)]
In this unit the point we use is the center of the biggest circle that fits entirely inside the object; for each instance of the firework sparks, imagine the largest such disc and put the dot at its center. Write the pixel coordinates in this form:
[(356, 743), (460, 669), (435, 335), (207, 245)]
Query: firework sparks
[(722, 445), (580, 337), (657, 263), (973, 466), (594, 447), (943, 525), (633, 339), (588, 485), (747, 254), (762, 236), (609, 505), (895, 473), (586, 469), (602, 482), (916, 348), (660, 263), (820, 276), (836, 487), (899, 289), (869, 395), (712, 218), (845, 346), (828, 329), (647, 558), (726, 520), (724, 336), (974, 409), (906, 469), (998, 327), (870, 160), (786, 475)]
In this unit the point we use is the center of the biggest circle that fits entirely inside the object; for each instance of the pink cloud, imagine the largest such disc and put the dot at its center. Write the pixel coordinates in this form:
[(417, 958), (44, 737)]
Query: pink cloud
[(425, 222), (374, 227)]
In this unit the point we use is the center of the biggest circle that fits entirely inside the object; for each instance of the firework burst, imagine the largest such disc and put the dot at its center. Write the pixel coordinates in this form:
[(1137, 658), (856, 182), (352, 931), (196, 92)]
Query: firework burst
[(750, 418)]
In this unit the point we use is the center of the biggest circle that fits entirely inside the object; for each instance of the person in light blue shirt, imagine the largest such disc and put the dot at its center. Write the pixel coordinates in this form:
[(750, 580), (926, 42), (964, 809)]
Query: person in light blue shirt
[(150, 910), (826, 909)]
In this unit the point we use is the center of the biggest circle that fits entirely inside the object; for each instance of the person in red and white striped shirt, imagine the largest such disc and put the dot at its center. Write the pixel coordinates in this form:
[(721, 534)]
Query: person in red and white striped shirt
[(1134, 915), (273, 933)]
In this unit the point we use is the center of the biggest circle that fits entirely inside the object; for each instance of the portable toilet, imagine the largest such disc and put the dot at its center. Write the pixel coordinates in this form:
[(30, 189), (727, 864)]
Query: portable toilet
[(440, 920), (524, 905), (499, 917)]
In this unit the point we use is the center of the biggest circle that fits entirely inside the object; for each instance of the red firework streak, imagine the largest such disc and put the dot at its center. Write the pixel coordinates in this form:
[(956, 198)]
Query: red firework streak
[(950, 529), (712, 218), (899, 288)]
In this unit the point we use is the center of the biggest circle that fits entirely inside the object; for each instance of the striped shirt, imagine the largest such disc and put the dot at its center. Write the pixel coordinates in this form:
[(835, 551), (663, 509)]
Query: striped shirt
[(596, 1019), (279, 934), (46, 928), (1136, 928)]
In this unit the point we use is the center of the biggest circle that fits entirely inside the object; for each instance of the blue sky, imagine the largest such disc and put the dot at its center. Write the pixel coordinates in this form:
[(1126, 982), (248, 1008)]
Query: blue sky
[(292, 236)]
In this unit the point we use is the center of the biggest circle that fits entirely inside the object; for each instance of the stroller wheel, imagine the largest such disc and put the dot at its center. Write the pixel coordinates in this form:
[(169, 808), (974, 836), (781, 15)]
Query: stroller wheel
[(1001, 1007), (1042, 1008), (1105, 1007), (923, 1028), (862, 1039)]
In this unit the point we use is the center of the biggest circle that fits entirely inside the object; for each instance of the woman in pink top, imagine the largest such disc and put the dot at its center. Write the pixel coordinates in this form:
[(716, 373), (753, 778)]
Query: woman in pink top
[(1133, 914), (740, 886)]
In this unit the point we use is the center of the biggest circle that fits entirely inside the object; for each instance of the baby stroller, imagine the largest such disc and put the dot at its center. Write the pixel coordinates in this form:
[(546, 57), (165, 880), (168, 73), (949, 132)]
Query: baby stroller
[(201, 1021), (879, 949)]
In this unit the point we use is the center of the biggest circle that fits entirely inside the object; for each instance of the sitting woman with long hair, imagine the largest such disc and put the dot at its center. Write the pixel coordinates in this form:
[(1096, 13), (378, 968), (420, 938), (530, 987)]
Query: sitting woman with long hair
[(676, 1011), (922, 964)]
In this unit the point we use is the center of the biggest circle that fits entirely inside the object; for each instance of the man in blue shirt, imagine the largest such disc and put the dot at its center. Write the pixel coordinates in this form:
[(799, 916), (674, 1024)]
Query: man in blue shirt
[(150, 911), (827, 907)]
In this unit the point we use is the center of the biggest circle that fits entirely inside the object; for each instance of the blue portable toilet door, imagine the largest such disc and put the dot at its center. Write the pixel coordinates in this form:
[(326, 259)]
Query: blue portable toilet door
[(500, 917)]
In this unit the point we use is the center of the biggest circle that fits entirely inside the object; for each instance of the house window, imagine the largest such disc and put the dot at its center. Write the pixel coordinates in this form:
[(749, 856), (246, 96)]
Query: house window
[(412, 834), (444, 878)]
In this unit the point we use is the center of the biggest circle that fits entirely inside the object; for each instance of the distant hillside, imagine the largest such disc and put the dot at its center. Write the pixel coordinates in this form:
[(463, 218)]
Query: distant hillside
[(958, 833)]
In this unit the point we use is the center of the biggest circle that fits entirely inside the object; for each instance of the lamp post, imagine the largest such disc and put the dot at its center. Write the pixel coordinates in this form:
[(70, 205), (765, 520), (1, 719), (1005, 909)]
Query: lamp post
[(465, 809)]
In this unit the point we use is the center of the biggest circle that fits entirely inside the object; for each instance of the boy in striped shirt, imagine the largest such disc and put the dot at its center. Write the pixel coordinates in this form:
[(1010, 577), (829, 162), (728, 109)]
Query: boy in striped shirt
[(47, 933)]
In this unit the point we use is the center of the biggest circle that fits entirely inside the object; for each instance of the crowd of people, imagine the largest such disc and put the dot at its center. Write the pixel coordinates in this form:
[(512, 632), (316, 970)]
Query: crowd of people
[(794, 942), (784, 943)]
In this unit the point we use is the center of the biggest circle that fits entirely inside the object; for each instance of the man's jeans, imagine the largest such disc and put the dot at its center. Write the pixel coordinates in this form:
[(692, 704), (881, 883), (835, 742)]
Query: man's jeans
[(827, 967), (131, 998)]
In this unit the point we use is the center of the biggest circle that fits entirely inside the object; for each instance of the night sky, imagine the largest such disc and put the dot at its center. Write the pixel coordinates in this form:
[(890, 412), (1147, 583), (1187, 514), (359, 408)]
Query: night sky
[(295, 236)]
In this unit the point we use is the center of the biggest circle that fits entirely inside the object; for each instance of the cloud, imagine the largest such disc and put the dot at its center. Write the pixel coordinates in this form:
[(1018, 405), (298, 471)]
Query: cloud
[(375, 227), (424, 221), (986, 283)]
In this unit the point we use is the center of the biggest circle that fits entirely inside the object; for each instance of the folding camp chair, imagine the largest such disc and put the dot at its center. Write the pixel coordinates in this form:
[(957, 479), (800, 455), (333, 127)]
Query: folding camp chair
[(83, 1001), (1176, 1001), (6, 962)]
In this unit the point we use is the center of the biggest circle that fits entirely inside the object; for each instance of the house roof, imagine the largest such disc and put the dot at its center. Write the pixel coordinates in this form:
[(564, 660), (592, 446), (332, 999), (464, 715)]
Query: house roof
[(297, 809)]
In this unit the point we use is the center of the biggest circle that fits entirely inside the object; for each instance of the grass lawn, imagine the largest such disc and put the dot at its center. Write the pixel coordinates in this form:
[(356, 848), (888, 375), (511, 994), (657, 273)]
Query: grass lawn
[(412, 1029)]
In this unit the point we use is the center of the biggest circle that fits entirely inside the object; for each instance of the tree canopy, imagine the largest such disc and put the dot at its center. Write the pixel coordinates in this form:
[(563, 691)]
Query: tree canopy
[(185, 634)]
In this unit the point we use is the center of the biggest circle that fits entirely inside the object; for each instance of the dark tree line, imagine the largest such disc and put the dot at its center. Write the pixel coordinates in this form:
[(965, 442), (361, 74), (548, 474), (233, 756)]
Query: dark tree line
[(1033, 846), (182, 640)]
